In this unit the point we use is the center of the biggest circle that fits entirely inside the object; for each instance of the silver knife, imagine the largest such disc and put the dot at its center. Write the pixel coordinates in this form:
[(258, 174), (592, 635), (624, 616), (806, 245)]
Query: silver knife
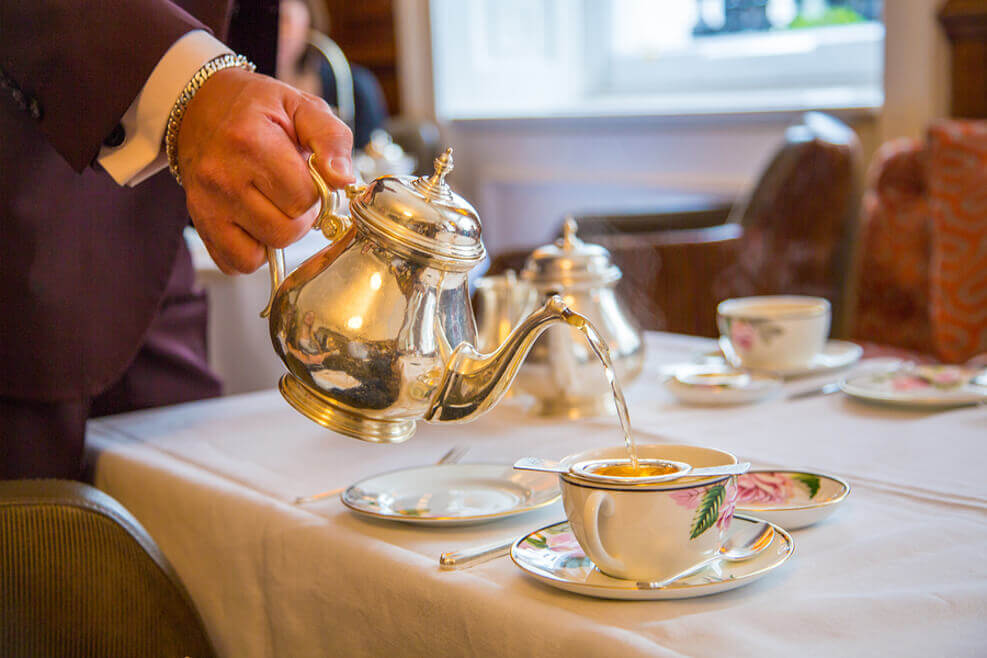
[(469, 557), (825, 389)]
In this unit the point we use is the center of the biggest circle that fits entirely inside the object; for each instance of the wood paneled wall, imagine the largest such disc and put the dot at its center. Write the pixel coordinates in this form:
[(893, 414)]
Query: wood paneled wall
[(365, 31), (965, 22)]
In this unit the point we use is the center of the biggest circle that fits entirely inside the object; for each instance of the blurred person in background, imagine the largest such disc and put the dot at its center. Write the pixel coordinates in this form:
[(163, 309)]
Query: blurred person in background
[(303, 67)]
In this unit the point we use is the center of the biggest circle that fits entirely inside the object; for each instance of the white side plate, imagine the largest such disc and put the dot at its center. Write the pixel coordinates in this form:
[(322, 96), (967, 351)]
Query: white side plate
[(451, 494), (936, 387)]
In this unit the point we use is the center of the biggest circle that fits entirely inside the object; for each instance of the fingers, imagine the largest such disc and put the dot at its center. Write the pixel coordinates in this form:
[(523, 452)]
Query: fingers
[(268, 224), (280, 173), (324, 134), (236, 240), (232, 248), (241, 152)]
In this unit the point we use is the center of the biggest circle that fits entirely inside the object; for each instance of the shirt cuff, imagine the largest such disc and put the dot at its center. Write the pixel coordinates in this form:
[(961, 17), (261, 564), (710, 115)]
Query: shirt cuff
[(141, 154)]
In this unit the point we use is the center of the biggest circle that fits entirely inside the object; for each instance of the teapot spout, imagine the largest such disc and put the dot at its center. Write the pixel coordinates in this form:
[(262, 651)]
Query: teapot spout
[(473, 382)]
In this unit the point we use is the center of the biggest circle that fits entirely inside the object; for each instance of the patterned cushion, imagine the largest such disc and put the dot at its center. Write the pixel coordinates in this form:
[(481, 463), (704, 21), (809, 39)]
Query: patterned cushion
[(957, 191), (893, 272)]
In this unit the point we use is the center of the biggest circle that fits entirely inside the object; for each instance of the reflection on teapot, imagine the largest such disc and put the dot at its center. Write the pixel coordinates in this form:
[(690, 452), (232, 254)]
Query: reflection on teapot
[(377, 330)]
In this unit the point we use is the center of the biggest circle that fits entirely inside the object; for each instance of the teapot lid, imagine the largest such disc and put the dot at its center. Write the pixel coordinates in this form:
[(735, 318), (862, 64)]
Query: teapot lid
[(421, 217), (570, 262)]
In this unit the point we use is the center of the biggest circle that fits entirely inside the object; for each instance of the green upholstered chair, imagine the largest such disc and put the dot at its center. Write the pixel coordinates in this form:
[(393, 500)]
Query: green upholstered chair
[(79, 576)]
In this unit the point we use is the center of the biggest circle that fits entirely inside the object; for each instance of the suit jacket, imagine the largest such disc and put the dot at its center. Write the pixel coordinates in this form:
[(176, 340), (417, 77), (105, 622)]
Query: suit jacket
[(83, 262)]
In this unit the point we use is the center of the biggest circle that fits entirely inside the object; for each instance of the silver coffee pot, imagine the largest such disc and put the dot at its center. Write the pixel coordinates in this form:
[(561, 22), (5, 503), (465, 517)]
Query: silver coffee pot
[(376, 329), (561, 372)]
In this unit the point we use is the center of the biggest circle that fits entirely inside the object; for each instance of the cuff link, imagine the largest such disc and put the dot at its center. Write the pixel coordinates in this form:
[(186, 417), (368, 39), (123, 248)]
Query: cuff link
[(116, 137)]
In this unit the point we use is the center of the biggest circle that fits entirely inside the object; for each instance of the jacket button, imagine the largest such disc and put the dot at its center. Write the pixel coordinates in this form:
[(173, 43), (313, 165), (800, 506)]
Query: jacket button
[(116, 137), (34, 108)]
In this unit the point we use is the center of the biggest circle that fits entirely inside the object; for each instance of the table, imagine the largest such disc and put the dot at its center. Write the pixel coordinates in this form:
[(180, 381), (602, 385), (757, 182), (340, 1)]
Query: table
[(898, 570)]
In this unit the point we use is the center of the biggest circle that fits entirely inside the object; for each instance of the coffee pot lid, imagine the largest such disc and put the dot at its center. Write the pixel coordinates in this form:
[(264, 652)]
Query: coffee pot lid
[(570, 262), (423, 217)]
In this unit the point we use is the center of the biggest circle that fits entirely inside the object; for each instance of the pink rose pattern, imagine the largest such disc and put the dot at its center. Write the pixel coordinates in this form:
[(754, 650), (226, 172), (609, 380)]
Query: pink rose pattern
[(690, 498), (742, 335), (765, 488), (926, 377), (729, 505), (908, 383), (564, 542)]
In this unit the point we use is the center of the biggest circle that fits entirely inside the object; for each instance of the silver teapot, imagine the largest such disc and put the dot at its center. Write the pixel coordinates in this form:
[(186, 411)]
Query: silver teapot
[(561, 372), (376, 329)]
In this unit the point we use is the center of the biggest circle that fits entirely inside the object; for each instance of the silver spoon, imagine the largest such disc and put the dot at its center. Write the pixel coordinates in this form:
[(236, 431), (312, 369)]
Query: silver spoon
[(549, 466), (737, 547)]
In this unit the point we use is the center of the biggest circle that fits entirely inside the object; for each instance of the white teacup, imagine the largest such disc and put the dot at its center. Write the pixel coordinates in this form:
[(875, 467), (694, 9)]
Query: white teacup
[(651, 532), (775, 332)]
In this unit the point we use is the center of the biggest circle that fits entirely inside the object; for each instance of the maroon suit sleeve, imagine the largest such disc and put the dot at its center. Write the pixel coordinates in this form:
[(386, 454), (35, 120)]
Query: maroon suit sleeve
[(76, 66)]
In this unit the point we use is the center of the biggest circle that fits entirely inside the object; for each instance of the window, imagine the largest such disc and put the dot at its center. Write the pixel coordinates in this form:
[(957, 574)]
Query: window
[(519, 58)]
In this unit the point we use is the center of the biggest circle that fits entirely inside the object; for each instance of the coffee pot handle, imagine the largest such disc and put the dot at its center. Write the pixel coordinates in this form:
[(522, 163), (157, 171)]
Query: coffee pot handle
[(332, 225)]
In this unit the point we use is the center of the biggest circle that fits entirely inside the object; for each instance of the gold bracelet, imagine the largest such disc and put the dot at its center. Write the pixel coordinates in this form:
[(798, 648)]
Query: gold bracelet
[(214, 65)]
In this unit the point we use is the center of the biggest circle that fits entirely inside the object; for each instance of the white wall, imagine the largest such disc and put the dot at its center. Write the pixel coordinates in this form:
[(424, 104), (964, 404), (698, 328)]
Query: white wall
[(524, 175)]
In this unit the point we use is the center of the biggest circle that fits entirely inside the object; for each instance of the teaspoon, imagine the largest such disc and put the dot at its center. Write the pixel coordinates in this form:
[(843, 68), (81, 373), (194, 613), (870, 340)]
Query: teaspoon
[(735, 549)]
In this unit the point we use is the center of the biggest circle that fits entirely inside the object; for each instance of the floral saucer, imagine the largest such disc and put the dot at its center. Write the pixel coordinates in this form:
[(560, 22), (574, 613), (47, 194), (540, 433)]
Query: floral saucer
[(791, 499), (835, 355), (552, 556), (939, 386), (720, 385)]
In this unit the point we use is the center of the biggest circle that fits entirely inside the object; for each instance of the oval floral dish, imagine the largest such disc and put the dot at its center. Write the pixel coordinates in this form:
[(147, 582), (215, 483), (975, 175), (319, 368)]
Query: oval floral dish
[(791, 499)]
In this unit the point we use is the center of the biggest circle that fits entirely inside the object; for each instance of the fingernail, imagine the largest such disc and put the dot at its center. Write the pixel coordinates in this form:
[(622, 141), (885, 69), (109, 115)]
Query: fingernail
[(342, 166)]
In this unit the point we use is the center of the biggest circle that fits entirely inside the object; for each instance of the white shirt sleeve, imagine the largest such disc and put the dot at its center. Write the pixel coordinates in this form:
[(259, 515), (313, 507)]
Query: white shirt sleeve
[(142, 152)]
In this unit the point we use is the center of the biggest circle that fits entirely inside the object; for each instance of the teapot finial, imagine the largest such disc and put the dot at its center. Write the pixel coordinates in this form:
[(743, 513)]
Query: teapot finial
[(434, 186), (569, 228)]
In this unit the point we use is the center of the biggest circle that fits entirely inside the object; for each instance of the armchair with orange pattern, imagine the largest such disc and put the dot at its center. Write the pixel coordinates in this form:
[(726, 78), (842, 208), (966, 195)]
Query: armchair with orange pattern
[(921, 282)]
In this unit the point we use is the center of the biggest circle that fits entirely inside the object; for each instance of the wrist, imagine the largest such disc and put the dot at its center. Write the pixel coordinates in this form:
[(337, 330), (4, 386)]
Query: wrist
[(178, 110)]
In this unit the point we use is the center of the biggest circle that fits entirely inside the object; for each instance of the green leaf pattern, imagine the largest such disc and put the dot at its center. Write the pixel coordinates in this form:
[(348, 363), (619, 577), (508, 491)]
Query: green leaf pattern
[(538, 541), (708, 510), (810, 481)]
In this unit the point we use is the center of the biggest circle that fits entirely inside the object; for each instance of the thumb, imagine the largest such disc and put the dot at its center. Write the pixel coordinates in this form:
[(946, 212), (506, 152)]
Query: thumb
[(324, 134)]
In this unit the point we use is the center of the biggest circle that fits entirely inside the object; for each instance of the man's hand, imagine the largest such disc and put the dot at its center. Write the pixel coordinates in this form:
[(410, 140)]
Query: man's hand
[(242, 152)]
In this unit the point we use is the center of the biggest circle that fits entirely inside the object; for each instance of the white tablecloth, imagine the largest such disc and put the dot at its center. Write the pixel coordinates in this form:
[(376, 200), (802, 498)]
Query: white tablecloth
[(898, 570)]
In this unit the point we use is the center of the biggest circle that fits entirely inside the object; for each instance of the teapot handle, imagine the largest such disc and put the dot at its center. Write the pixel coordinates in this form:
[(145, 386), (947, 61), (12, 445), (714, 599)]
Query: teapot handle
[(332, 225)]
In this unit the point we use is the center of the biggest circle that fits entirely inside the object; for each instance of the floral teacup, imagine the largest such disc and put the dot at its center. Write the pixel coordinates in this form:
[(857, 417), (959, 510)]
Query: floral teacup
[(651, 532), (774, 333)]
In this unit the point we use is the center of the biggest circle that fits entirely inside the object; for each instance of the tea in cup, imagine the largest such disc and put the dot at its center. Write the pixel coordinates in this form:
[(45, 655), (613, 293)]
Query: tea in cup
[(649, 532), (774, 333)]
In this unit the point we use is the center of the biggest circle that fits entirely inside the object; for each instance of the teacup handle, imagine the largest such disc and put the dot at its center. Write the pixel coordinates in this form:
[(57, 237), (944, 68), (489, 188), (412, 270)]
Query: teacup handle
[(333, 226), (599, 502)]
